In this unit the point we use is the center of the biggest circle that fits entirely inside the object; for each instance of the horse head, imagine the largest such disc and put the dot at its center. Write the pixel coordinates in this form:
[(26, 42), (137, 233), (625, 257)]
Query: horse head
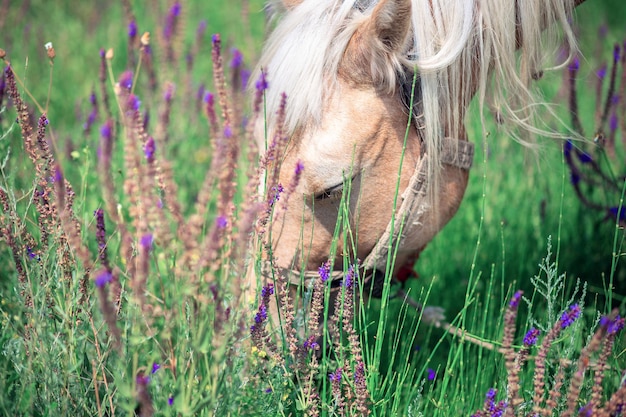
[(376, 95)]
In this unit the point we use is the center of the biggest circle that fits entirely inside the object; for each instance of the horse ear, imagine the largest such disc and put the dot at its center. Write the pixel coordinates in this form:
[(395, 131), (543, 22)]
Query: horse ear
[(390, 24)]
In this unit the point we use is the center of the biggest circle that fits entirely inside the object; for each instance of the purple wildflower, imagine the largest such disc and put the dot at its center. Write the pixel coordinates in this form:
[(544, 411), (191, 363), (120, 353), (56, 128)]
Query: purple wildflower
[(91, 118), (170, 20), (618, 213), (615, 99), (574, 64), (348, 280), (531, 337), (103, 278), (228, 132), (133, 103), (615, 325), (498, 410), (149, 149), (567, 148), (261, 315), (276, 191), (102, 53), (221, 222), (359, 374), (126, 80), (616, 52), (335, 376), (586, 410), (491, 395), (431, 374), (568, 317), (237, 60), (175, 10), (214, 291), (170, 400), (324, 271), (261, 84), (146, 241), (142, 379), (299, 167), (613, 122), (31, 254), (601, 72), (311, 344), (105, 130), (268, 390), (58, 174), (574, 178), (209, 98), (132, 29), (491, 408), (215, 39), (584, 157), (514, 303), (267, 290), (155, 367)]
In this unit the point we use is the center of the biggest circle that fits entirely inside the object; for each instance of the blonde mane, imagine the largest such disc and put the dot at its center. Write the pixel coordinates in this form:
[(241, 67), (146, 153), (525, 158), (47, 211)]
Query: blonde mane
[(460, 48)]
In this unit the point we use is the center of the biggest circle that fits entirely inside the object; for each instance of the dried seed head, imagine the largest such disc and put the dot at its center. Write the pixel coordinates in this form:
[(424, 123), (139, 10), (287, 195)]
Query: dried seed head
[(50, 50), (109, 54), (145, 39)]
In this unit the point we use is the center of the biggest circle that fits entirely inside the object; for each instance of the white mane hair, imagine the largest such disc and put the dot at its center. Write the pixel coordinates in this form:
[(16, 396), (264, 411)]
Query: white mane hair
[(501, 40), (301, 58)]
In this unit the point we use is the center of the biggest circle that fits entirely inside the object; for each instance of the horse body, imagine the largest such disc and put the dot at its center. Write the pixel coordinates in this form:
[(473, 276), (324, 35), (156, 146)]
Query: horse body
[(345, 67)]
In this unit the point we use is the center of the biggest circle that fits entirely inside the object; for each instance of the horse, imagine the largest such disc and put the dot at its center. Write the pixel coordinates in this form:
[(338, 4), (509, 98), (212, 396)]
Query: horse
[(377, 92)]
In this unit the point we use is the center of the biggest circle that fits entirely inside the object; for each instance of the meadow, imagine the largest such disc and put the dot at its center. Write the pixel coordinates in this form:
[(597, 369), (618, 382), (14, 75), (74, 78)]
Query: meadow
[(129, 210)]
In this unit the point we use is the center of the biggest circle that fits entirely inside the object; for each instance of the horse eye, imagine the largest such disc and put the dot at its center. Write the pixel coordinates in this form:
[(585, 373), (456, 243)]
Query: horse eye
[(332, 193)]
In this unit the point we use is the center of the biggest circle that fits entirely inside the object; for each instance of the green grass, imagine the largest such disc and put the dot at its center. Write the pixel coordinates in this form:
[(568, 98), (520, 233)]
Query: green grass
[(57, 351)]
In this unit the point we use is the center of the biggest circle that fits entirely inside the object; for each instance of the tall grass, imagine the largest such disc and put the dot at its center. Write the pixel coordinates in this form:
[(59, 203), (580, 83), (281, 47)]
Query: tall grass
[(127, 228)]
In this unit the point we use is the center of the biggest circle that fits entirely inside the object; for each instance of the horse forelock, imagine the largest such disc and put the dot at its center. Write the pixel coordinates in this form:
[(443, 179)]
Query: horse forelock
[(302, 56)]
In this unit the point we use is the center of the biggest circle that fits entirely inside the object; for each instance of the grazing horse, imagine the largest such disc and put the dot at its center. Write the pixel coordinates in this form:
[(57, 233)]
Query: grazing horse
[(377, 93)]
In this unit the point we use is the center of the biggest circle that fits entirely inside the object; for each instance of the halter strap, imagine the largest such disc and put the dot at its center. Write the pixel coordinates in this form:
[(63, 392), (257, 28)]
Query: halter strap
[(454, 152)]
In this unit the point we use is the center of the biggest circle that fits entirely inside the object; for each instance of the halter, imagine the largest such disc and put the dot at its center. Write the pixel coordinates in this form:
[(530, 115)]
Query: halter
[(408, 218)]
